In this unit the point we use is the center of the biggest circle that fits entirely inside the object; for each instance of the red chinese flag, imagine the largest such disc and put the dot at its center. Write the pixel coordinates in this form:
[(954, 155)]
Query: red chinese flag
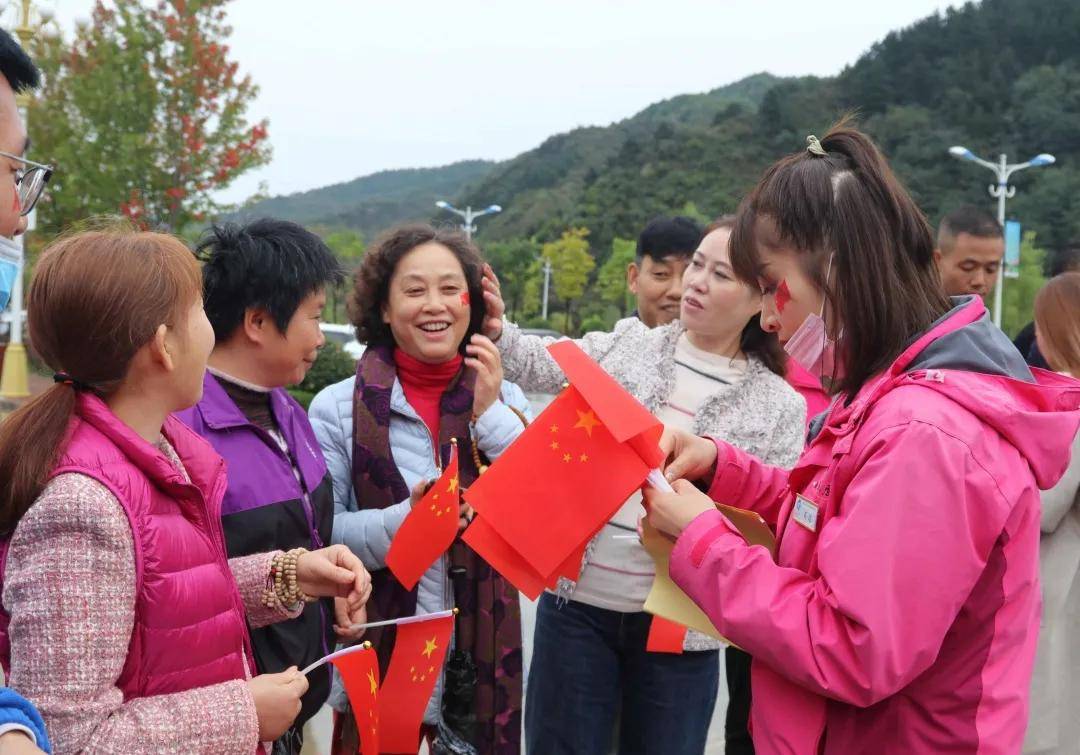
[(429, 529), (415, 666), (483, 539), (569, 471), (360, 674), (665, 636)]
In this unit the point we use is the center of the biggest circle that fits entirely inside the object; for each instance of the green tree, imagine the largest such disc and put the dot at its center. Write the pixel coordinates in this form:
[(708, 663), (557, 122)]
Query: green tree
[(348, 246), (690, 210), (514, 261), (611, 279), (533, 291), (333, 365), (571, 264), (144, 114), (1018, 298)]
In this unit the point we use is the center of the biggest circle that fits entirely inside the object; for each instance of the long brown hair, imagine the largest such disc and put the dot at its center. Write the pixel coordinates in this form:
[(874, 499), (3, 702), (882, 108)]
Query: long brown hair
[(847, 204), (97, 298), (1057, 317), (754, 339)]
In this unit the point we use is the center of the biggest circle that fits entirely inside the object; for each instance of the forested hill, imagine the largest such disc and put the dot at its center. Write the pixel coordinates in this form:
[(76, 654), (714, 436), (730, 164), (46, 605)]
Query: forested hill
[(996, 76), (372, 203)]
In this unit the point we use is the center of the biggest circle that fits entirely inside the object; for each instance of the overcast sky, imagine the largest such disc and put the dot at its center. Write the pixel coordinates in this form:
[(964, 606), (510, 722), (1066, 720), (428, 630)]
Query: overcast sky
[(356, 86)]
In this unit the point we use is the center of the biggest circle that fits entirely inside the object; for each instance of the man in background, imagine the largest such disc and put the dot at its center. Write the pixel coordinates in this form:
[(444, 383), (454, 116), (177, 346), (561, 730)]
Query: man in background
[(664, 250), (969, 251)]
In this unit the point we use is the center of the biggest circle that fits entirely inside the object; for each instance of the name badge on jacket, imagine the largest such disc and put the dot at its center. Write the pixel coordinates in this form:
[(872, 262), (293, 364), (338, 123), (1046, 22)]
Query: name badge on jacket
[(805, 513)]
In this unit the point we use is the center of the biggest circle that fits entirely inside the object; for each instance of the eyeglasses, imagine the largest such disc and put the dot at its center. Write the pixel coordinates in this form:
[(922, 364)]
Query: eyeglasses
[(30, 181)]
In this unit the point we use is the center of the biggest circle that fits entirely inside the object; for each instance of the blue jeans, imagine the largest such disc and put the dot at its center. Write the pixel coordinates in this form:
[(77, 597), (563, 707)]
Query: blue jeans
[(590, 669)]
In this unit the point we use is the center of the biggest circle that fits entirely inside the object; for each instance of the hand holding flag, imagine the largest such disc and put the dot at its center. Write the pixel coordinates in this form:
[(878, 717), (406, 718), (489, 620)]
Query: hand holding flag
[(563, 478), (429, 529)]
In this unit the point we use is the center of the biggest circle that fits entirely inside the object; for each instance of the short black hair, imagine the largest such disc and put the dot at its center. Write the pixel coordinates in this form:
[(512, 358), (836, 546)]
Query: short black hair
[(1062, 259), (665, 237), (266, 263), (970, 220), (15, 64)]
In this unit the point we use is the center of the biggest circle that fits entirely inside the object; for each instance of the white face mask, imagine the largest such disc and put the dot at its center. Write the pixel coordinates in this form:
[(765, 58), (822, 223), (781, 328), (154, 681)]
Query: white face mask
[(10, 268), (810, 344)]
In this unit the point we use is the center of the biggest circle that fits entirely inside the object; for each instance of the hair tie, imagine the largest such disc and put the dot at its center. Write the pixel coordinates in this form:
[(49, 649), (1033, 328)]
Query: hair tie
[(62, 378), (813, 146)]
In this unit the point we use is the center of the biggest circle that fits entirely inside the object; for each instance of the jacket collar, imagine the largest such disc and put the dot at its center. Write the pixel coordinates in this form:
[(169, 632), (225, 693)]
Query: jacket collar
[(202, 464)]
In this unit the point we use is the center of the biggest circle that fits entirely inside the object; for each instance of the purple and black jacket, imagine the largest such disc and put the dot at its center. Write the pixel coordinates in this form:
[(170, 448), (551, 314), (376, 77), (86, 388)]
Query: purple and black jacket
[(269, 506)]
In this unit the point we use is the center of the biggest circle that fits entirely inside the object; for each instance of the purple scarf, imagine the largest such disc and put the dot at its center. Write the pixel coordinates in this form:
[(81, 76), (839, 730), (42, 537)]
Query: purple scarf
[(489, 620)]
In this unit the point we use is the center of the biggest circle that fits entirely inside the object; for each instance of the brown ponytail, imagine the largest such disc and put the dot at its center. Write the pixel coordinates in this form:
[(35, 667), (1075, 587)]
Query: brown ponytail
[(847, 204), (97, 298)]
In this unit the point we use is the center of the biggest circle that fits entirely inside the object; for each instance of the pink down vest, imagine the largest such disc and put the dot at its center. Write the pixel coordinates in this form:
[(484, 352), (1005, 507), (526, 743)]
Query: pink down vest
[(190, 629)]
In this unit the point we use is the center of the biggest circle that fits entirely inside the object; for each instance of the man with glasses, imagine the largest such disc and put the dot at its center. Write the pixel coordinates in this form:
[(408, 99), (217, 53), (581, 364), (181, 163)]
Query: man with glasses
[(21, 181)]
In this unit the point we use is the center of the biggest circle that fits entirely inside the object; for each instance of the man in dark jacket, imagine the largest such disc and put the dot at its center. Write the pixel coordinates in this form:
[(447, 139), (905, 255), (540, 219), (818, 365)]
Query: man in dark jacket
[(264, 291)]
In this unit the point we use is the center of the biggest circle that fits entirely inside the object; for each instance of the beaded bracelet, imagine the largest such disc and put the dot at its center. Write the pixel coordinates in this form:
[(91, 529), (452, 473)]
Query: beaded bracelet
[(281, 586), (481, 467)]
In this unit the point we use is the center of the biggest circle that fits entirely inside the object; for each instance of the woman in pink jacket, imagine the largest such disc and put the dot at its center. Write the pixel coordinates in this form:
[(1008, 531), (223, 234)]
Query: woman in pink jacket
[(122, 619), (902, 610)]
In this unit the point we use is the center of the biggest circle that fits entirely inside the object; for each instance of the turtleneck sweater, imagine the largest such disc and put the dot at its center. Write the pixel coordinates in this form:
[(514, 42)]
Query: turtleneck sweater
[(424, 385)]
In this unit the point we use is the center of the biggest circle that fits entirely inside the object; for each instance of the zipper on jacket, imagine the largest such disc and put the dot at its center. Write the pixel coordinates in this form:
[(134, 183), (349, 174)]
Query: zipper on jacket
[(305, 503)]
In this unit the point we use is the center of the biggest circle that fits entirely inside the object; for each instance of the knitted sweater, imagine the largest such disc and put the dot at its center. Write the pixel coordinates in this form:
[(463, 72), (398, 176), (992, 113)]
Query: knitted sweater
[(762, 414), (70, 589)]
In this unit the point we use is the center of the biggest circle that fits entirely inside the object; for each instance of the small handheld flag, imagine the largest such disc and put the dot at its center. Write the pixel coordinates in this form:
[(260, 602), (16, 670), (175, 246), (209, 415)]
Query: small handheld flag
[(415, 666), (429, 529), (359, 669)]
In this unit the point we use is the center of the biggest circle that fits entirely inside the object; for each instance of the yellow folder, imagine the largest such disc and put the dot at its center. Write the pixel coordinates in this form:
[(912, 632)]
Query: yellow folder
[(666, 599)]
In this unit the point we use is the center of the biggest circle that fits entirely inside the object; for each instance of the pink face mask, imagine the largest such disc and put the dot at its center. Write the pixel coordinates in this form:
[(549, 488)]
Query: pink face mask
[(810, 344)]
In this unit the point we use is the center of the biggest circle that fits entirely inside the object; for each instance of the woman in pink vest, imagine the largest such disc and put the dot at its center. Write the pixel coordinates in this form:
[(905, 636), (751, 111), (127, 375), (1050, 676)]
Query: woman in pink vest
[(901, 612), (122, 619)]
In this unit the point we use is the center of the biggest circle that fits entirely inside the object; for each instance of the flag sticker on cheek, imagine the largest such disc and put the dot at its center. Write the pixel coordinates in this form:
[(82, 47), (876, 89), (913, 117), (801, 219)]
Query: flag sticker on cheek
[(783, 296), (465, 300)]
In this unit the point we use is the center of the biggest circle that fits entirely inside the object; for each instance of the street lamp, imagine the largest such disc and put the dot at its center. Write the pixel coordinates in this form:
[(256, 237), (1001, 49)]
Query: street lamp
[(1001, 191), (547, 285), (13, 379), (468, 215)]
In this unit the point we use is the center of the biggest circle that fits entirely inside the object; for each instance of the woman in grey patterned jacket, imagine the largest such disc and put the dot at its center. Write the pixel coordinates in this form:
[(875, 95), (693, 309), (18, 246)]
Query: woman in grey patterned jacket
[(712, 372)]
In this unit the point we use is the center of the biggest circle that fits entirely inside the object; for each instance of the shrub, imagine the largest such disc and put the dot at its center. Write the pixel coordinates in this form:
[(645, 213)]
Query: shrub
[(332, 366)]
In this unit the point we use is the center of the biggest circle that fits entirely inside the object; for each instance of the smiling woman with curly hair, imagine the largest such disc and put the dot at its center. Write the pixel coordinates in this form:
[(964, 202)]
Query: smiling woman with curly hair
[(426, 376)]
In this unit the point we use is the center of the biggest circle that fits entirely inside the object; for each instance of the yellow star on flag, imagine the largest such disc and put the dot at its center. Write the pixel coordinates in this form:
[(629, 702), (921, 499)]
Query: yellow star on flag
[(371, 680), (453, 485), (430, 646), (566, 457), (587, 421)]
